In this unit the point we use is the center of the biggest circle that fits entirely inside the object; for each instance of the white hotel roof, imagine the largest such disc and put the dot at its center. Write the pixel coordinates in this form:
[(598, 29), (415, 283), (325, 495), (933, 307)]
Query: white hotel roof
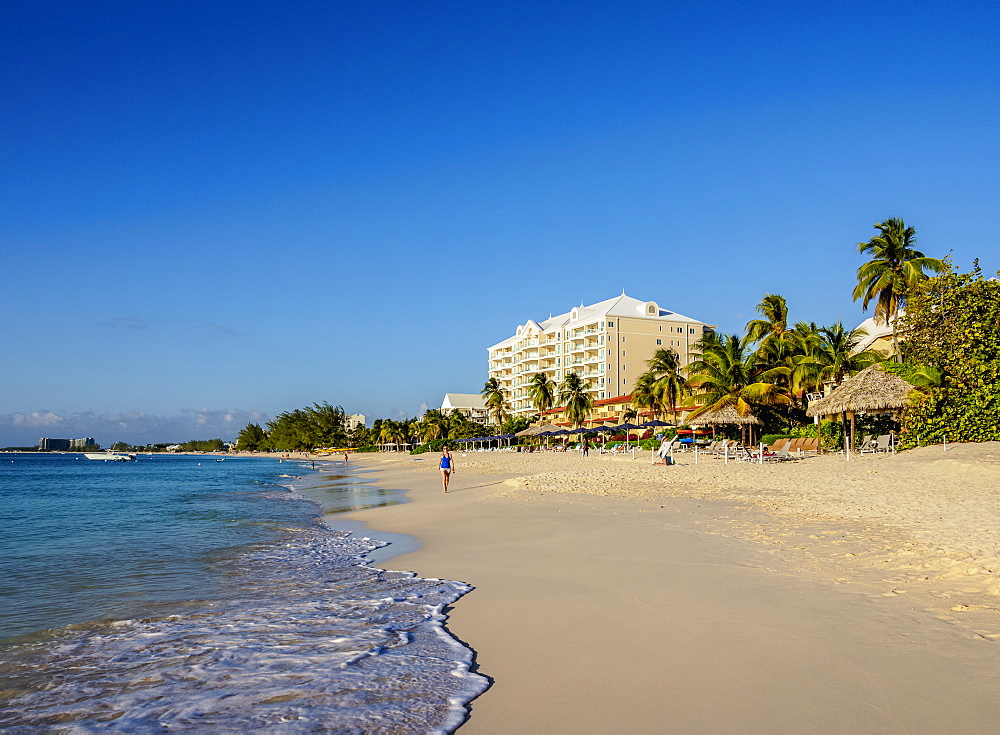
[(618, 306), (463, 400)]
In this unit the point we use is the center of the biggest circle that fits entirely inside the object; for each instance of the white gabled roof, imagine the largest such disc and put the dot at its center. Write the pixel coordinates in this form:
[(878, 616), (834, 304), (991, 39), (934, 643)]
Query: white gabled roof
[(463, 400), (619, 306), (876, 331)]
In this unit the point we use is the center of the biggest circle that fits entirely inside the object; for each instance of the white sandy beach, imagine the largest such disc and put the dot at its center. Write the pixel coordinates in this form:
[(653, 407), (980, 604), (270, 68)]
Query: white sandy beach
[(810, 596)]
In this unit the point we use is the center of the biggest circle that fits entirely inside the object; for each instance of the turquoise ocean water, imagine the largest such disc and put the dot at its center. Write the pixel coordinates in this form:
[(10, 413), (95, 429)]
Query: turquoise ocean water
[(185, 592)]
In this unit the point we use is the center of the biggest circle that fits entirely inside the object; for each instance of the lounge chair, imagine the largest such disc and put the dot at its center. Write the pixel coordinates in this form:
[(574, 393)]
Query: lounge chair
[(748, 455), (784, 453), (726, 444), (882, 444), (779, 443)]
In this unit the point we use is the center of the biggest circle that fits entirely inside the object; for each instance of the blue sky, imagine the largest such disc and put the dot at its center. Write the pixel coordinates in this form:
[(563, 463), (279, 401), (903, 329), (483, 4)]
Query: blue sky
[(215, 211)]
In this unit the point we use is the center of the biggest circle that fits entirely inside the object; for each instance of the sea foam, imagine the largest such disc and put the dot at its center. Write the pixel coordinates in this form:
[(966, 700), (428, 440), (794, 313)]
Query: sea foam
[(306, 637)]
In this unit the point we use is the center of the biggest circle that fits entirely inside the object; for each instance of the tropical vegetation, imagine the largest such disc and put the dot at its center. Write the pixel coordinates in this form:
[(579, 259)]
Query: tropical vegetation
[(944, 330), (895, 269), (950, 342)]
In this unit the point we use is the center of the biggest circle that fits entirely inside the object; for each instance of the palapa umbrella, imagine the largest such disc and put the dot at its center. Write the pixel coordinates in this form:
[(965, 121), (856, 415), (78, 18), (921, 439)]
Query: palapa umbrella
[(725, 415), (873, 389)]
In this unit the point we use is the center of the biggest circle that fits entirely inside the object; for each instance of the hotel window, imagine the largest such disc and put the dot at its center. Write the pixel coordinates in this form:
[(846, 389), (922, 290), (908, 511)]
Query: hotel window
[(659, 341), (611, 324), (623, 367), (602, 381), (661, 327), (602, 394), (624, 381), (623, 353), (623, 339), (609, 366), (690, 331)]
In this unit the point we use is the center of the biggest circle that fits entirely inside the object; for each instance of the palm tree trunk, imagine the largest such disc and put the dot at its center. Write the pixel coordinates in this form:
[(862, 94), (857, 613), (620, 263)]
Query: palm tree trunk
[(895, 342)]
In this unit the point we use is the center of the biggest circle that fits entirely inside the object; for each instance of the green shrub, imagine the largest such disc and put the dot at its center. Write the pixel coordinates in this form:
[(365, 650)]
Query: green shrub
[(434, 445)]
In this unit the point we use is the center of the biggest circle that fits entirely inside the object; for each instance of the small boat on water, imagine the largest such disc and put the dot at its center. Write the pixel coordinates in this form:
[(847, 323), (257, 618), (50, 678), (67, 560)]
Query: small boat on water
[(110, 456)]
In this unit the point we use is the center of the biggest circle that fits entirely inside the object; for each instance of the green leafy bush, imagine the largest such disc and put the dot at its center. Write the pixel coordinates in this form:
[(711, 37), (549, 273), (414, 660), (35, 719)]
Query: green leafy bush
[(951, 325)]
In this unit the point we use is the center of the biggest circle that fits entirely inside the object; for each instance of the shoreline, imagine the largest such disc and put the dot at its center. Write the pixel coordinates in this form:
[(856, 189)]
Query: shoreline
[(644, 604)]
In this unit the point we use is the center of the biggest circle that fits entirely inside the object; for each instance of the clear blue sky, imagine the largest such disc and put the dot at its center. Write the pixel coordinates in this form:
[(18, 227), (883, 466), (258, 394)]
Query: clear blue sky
[(213, 209)]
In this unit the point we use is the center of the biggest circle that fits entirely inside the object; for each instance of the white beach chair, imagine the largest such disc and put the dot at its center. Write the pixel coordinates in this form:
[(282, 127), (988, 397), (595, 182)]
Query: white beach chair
[(879, 445)]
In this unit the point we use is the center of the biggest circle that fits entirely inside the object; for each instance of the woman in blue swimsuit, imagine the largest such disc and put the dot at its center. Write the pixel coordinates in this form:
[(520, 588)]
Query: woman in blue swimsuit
[(447, 467)]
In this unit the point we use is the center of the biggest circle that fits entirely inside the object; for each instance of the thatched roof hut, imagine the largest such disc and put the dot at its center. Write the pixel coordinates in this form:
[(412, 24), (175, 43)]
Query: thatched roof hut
[(873, 389), (533, 430), (725, 415)]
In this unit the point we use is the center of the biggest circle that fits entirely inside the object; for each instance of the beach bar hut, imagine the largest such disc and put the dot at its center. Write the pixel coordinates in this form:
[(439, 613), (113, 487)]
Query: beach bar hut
[(726, 415), (871, 390)]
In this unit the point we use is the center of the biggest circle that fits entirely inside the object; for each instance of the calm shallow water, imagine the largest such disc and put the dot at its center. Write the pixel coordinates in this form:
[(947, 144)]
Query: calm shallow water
[(183, 592)]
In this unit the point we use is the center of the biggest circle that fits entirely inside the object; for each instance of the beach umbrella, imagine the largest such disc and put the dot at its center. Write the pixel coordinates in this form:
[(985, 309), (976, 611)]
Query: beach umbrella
[(655, 422), (873, 389), (725, 415), (626, 427)]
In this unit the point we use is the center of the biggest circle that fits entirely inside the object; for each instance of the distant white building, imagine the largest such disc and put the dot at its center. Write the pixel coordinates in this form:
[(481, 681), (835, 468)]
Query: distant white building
[(471, 405), (879, 336), (354, 420)]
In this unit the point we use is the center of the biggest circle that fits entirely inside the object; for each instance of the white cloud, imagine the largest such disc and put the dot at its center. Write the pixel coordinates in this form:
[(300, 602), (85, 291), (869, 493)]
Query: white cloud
[(134, 427), (35, 419)]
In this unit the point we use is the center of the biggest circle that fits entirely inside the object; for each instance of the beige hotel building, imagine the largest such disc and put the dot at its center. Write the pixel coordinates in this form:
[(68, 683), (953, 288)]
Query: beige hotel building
[(606, 344)]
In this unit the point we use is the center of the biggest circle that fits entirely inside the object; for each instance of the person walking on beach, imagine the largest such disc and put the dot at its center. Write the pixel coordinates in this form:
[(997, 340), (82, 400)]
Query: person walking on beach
[(447, 467), (586, 447)]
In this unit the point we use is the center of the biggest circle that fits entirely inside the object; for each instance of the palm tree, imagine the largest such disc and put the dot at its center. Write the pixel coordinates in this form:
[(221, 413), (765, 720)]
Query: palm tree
[(496, 399), (577, 401), (837, 355), (542, 391), (434, 425), (895, 268), (460, 427), (771, 331), (645, 394), (726, 374), (670, 386)]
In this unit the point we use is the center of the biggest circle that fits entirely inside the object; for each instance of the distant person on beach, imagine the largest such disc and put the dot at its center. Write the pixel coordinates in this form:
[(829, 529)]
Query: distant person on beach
[(345, 459), (664, 449), (447, 467), (586, 447)]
